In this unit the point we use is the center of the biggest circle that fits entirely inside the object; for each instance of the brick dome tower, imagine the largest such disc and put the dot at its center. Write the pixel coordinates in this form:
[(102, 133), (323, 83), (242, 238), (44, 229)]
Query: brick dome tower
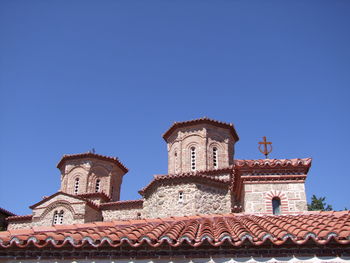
[(198, 145), (88, 173)]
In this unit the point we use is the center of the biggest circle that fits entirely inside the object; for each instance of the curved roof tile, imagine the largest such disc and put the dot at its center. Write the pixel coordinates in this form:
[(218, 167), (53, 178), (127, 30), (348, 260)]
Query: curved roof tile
[(114, 160), (203, 120), (237, 229)]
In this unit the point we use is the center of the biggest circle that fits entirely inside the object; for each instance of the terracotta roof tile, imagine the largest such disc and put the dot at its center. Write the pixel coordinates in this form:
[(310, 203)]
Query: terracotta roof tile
[(19, 218), (203, 120), (237, 229), (92, 155), (273, 163), (6, 212), (199, 176), (127, 204)]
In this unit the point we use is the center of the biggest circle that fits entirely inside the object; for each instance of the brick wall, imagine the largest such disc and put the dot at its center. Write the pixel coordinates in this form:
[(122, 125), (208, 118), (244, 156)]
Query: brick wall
[(258, 197), (204, 138)]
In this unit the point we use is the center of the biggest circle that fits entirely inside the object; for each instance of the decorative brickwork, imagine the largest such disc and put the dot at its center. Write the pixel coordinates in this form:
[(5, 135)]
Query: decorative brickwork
[(258, 197)]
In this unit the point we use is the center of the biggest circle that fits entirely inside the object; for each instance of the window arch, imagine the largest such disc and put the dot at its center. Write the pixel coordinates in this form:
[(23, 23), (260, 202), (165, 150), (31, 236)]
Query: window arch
[(193, 158), (215, 158), (76, 186), (276, 206), (98, 185)]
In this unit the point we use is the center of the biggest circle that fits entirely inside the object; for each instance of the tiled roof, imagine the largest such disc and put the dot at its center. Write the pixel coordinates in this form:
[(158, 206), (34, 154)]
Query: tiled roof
[(19, 218), (185, 177), (304, 163), (203, 120), (128, 204), (98, 194), (233, 229), (88, 202), (92, 155), (6, 212)]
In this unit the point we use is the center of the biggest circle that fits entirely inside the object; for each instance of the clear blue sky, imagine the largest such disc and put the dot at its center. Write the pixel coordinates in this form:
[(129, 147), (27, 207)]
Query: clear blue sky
[(114, 75)]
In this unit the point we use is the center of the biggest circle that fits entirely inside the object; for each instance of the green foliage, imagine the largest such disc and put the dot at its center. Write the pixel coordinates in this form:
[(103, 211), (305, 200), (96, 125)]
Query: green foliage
[(319, 204)]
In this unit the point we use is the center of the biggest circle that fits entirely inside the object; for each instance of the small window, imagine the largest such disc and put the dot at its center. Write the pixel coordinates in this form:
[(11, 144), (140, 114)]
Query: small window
[(215, 157), (193, 158), (181, 196), (76, 186), (55, 218), (97, 187), (60, 218), (276, 206), (138, 216)]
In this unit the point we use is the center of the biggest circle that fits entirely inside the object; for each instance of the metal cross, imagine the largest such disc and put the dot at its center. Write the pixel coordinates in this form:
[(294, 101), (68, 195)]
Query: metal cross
[(266, 149)]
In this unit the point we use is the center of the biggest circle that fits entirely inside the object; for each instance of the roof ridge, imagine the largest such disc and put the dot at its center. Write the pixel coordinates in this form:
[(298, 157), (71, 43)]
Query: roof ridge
[(93, 155)]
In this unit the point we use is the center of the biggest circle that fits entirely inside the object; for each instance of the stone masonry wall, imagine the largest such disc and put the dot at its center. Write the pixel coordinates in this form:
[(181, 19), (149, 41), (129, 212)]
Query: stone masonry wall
[(19, 225), (258, 197), (122, 214), (197, 199)]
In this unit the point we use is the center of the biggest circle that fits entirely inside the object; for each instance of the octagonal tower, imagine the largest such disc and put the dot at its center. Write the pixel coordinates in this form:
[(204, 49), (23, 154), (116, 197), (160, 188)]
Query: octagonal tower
[(198, 145), (89, 173)]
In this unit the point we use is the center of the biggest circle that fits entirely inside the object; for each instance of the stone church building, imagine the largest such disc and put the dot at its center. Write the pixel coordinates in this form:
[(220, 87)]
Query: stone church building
[(210, 204)]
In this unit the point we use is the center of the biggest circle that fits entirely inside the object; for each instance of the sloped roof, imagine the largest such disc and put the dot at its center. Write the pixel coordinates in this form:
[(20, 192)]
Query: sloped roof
[(234, 229), (6, 212), (199, 177), (303, 163), (203, 120), (79, 197), (127, 204), (114, 160)]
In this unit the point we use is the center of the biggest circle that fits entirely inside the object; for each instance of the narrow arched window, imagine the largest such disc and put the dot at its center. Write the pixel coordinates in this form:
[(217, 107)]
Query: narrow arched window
[(175, 162), (76, 186), (193, 158), (97, 186), (55, 218), (215, 157), (276, 206), (60, 218), (181, 196)]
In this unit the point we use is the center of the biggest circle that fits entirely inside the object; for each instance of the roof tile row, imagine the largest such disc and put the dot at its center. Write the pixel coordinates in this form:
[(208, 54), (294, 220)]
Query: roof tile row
[(216, 229)]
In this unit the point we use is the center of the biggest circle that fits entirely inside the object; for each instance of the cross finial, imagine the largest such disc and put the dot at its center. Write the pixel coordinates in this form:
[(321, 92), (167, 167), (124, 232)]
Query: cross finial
[(266, 149)]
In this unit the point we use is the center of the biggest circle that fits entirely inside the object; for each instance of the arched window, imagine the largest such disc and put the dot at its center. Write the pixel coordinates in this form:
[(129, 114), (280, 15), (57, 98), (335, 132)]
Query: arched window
[(97, 186), (175, 162), (181, 197), (193, 158), (215, 157), (76, 186), (55, 218), (60, 218), (276, 206)]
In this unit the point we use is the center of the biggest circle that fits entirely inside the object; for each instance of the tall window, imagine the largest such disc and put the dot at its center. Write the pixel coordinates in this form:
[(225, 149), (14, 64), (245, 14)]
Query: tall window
[(57, 218), (193, 158), (215, 157), (97, 186), (175, 162), (76, 186), (60, 218), (276, 206)]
